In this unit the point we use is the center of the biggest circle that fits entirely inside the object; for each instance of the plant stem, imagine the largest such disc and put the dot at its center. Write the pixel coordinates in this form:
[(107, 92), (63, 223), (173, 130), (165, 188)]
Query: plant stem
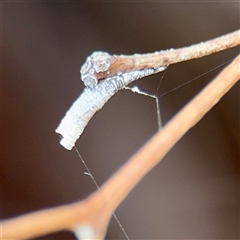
[(124, 63)]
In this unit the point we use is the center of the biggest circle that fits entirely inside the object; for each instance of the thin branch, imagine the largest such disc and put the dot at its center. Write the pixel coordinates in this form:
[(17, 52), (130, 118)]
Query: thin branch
[(91, 216), (106, 65)]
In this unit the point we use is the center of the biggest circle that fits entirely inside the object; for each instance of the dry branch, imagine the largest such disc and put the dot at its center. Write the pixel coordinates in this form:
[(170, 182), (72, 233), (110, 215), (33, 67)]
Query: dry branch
[(124, 63)]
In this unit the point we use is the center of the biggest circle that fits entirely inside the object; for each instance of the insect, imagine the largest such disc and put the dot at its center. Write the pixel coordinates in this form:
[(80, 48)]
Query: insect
[(93, 99)]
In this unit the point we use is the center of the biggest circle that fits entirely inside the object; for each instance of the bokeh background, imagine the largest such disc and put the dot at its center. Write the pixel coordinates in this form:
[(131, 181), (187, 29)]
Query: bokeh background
[(194, 192)]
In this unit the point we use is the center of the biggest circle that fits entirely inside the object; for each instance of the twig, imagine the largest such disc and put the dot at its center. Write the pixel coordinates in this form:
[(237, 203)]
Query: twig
[(101, 65), (91, 216)]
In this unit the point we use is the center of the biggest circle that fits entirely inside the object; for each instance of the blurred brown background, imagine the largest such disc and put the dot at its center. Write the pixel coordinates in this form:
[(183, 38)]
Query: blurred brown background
[(194, 192)]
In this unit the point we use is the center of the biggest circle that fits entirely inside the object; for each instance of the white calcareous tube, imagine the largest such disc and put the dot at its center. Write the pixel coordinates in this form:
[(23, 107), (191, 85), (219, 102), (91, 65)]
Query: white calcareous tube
[(91, 100)]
